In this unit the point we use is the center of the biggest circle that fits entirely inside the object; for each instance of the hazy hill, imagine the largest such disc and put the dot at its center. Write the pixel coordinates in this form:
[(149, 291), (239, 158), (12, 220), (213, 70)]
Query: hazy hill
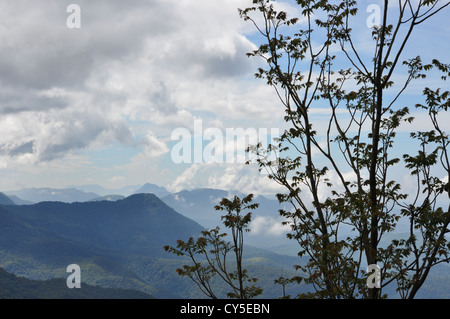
[(5, 200), (20, 201), (102, 191), (125, 191), (14, 287), (119, 244), (105, 238), (139, 223), (80, 193), (199, 205), (66, 195), (116, 243)]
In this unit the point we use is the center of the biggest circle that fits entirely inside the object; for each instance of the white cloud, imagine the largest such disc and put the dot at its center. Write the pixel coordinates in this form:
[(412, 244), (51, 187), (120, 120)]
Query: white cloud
[(133, 72), (268, 226), (232, 176), (186, 180), (154, 61), (153, 147)]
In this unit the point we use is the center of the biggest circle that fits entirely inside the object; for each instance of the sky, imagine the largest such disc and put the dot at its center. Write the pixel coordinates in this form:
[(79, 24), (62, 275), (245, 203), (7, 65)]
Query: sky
[(100, 103)]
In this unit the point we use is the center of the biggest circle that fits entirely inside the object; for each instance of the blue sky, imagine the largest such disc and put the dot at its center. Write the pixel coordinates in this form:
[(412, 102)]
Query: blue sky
[(97, 105)]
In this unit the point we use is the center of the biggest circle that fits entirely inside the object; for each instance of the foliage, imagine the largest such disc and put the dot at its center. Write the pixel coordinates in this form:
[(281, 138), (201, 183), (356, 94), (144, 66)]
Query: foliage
[(342, 178), (215, 249), (115, 245)]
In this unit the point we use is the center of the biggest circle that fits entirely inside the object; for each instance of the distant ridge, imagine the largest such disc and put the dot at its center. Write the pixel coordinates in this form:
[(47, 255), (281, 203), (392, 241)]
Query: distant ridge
[(110, 198), (159, 191), (5, 200), (116, 243), (20, 201), (65, 195), (82, 193), (140, 223)]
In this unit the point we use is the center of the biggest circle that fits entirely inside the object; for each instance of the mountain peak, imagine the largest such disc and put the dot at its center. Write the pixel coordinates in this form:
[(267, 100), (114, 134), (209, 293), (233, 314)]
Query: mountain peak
[(159, 191), (142, 198)]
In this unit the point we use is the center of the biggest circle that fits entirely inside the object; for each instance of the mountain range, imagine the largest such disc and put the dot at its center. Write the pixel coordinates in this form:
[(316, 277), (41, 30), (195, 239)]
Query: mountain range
[(116, 244), (117, 240), (197, 204), (266, 228), (80, 193)]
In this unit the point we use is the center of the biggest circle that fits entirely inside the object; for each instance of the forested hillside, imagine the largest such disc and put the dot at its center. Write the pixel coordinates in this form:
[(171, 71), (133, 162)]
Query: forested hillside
[(116, 244), (13, 287)]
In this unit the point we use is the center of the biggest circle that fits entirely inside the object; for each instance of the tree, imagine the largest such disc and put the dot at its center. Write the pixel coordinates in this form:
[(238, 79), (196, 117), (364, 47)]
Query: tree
[(209, 252), (343, 178)]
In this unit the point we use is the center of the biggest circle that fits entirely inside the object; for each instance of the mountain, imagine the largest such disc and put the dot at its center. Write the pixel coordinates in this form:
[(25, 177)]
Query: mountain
[(102, 191), (267, 230), (152, 189), (66, 195), (14, 287), (139, 223), (124, 191), (119, 244), (20, 201), (197, 204), (116, 244), (5, 200), (113, 242)]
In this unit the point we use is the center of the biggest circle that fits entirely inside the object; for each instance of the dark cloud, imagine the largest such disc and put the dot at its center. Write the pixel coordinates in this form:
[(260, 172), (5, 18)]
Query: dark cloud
[(26, 148), (17, 149), (63, 90), (19, 99), (41, 52), (219, 64)]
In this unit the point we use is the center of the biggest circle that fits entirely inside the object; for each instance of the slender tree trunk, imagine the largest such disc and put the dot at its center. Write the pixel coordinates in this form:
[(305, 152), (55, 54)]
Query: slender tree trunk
[(374, 209)]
